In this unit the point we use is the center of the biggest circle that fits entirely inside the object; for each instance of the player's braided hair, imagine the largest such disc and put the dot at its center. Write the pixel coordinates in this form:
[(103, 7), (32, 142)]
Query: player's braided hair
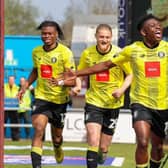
[(54, 24)]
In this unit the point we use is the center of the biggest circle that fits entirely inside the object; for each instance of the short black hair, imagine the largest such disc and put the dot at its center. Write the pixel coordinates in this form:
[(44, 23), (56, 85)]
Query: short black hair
[(53, 24), (143, 19)]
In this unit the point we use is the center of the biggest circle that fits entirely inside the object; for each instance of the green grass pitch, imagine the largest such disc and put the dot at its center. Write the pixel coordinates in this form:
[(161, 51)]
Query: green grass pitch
[(116, 150)]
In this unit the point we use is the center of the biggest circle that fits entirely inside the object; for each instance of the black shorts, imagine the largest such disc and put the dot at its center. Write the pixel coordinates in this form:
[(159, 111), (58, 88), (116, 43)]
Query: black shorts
[(156, 118), (105, 117), (54, 112)]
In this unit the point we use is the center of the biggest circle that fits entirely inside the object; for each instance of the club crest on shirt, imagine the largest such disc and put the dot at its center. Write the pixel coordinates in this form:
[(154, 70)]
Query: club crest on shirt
[(53, 59), (161, 54)]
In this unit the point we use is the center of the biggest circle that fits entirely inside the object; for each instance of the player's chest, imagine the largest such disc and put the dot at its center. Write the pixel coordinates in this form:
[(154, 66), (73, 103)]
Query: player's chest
[(94, 58), (49, 58), (141, 56), (151, 63)]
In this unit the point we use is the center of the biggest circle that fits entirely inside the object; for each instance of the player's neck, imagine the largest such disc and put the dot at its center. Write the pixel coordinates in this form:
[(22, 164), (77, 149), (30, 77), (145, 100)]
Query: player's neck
[(151, 44), (50, 47), (103, 52)]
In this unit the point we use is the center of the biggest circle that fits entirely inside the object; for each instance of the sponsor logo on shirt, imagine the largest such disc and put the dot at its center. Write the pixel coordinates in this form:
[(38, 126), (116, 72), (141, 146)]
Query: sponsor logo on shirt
[(152, 69), (103, 76), (46, 71)]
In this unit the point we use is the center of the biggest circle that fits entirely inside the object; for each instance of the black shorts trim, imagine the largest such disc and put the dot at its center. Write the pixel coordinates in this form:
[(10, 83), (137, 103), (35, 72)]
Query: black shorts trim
[(105, 117), (156, 118), (54, 112)]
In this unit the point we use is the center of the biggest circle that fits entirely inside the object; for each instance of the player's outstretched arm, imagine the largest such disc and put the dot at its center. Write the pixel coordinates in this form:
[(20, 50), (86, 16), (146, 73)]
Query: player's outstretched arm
[(100, 67), (68, 78)]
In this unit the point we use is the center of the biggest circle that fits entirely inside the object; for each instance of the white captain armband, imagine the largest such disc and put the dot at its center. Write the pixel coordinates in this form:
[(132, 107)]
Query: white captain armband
[(61, 83)]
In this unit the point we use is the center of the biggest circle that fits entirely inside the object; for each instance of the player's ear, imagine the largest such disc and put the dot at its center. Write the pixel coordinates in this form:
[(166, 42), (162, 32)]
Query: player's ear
[(143, 32)]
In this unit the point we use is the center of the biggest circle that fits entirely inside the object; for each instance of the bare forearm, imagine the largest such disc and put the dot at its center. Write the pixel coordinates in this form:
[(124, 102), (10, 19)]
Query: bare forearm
[(95, 68), (70, 83), (127, 82), (120, 91), (32, 77), (75, 82)]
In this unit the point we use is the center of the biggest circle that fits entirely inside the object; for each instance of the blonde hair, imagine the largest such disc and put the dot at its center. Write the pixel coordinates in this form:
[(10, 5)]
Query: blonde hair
[(101, 26)]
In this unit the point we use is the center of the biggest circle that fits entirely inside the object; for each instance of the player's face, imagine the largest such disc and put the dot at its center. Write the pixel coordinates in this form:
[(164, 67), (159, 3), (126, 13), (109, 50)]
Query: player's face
[(103, 37), (49, 35), (152, 31)]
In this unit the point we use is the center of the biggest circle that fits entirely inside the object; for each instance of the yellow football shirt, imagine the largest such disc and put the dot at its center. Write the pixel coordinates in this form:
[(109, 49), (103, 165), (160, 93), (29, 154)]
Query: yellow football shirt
[(52, 64), (150, 71), (101, 85)]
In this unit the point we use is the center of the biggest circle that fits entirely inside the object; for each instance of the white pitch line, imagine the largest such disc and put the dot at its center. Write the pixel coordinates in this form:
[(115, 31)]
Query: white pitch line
[(12, 147), (118, 161)]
